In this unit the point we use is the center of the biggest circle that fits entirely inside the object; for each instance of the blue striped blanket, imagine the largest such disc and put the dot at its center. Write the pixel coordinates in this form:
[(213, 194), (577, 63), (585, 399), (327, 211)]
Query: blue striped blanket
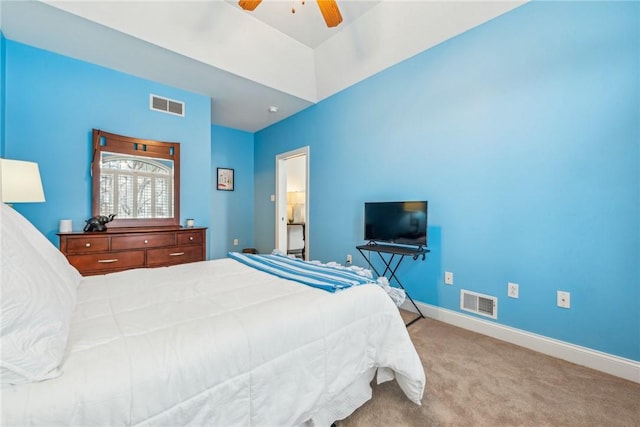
[(319, 276)]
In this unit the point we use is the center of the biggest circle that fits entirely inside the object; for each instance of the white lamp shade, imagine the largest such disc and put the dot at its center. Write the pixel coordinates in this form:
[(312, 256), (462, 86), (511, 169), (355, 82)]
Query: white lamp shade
[(20, 182), (295, 197)]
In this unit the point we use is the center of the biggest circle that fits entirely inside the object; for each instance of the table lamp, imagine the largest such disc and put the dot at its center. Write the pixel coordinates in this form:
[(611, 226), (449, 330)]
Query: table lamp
[(20, 182)]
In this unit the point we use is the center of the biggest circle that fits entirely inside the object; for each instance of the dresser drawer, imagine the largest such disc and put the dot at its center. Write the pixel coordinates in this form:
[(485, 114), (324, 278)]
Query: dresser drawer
[(124, 249), (190, 238), (104, 262), (150, 240), (174, 255), (87, 244)]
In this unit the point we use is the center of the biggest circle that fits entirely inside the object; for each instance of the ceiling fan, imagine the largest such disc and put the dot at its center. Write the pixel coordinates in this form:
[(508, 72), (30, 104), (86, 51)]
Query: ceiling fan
[(328, 8)]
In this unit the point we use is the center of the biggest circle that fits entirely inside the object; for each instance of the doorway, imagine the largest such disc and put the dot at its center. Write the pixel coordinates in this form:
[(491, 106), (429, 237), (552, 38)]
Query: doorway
[(292, 201)]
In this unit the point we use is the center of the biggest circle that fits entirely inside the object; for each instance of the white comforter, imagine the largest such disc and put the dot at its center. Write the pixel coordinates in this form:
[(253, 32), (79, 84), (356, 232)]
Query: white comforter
[(218, 343)]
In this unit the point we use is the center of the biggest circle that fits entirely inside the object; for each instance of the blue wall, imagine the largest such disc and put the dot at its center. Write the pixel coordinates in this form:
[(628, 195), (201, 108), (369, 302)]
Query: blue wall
[(523, 134), (52, 104), (232, 210), (2, 91)]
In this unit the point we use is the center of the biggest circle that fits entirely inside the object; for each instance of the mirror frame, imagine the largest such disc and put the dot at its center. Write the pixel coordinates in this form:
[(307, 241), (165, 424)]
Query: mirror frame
[(112, 143)]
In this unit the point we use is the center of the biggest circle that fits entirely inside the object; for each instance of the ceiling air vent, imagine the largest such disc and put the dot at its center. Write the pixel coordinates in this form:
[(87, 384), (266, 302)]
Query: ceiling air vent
[(166, 105), (483, 305)]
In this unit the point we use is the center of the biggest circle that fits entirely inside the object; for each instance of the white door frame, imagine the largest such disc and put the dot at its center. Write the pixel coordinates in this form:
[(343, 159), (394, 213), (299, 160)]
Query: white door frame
[(281, 198)]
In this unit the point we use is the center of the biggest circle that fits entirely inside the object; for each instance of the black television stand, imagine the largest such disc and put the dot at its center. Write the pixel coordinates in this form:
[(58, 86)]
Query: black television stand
[(391, 267)]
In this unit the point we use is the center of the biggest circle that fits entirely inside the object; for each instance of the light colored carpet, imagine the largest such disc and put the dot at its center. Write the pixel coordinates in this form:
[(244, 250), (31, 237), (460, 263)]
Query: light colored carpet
[(475, 380)]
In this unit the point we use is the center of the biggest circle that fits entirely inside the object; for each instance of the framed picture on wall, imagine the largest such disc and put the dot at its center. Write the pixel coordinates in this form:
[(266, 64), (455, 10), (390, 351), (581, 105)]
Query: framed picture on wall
[(225, 179)]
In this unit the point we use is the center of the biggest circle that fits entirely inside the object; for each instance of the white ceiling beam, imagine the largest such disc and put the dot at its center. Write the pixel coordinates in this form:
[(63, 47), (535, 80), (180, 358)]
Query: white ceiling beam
[(214, 33)]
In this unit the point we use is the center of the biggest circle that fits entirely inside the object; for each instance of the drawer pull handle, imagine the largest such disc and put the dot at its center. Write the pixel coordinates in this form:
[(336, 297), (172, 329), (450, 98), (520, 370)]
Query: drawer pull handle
[(176, 254), (146, 241), (107, 261), (190, 237), (87, 245)]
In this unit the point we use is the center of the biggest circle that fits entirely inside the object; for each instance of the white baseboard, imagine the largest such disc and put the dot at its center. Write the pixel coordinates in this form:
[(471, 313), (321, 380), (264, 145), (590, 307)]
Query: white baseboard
[(604, 362)]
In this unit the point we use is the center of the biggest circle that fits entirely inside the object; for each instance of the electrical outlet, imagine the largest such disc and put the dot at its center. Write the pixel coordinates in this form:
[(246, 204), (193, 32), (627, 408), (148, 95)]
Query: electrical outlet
[(235, 242), (349, 259), (512, 290), (448, 278), (564, 299)]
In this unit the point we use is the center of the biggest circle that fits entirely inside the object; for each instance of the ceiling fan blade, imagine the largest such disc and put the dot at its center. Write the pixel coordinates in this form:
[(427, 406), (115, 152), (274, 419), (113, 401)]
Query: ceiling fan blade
[(249, 4), (330, 12)]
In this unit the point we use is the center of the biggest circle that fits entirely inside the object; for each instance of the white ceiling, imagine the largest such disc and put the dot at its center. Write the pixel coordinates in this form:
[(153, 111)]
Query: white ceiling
[(244, 61)]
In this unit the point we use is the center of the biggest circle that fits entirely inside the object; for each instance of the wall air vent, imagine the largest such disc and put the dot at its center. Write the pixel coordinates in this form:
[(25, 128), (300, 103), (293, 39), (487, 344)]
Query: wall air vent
[(166, 105), (483, 305)]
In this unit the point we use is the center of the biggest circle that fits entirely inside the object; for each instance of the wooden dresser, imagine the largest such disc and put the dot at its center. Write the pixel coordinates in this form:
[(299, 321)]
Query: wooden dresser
[(124, 249)]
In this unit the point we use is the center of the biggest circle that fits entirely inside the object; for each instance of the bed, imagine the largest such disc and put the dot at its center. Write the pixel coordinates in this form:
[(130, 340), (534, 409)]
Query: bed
[(210, 343)]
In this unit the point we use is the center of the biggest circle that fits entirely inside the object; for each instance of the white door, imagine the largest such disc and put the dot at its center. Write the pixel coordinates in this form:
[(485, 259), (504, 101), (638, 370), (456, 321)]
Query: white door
[(302, 212)]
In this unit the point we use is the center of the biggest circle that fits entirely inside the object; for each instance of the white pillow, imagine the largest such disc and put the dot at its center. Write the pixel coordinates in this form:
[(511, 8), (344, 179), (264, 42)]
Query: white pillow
[(38, 290)]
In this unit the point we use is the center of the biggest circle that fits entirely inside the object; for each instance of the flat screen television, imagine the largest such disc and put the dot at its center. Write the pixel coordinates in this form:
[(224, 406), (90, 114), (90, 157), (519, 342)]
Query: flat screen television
[(402, 223)]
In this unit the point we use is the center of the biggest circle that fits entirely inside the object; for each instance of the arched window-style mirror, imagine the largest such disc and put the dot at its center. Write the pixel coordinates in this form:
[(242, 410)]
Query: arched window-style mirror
[(138, 180)]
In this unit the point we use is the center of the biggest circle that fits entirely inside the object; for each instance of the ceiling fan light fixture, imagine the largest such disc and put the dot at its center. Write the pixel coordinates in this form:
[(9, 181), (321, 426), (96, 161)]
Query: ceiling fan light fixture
[(328, 8), (293, 8)]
